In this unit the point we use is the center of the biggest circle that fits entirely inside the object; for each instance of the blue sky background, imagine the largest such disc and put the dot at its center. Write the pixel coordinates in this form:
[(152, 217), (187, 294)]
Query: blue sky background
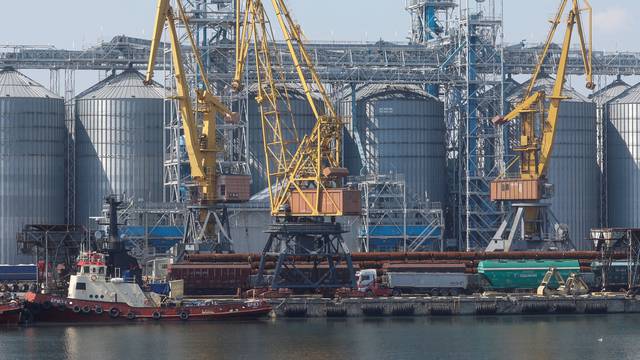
[(78, 24)]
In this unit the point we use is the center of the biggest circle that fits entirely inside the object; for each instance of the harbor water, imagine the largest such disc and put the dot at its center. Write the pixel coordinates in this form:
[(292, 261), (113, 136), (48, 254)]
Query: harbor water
[(451, 338)]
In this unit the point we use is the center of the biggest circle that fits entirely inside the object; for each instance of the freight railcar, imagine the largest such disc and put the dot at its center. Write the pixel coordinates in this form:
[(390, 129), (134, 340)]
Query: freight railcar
[(211, 279), (522, 275)]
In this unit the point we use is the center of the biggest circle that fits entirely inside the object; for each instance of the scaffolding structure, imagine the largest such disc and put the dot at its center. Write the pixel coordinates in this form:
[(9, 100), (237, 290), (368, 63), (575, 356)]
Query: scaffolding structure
[(392, 221)]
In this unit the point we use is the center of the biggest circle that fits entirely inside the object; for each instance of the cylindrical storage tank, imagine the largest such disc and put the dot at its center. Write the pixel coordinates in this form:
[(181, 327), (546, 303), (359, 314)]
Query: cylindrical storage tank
[(622, 159), (601, 98), (401, 130), (301, 115), (119, 142), (573, 170), (32, 152)]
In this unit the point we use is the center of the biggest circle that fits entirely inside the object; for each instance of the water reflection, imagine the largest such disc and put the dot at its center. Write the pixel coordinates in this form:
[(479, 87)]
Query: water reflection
[(451, 338)]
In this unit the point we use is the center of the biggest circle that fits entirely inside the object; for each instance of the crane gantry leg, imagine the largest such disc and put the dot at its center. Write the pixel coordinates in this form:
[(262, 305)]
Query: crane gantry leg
[(531, 226), (315, 243)]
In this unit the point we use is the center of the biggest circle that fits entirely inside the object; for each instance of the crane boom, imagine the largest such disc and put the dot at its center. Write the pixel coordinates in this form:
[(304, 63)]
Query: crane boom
[(304, 176), (206, 219), (536, 148), (201, 143), (531, 224), (304, 182)]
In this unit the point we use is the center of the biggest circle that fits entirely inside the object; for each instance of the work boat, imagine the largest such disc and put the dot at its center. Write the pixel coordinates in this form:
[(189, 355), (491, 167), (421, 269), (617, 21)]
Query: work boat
[(95, 297)]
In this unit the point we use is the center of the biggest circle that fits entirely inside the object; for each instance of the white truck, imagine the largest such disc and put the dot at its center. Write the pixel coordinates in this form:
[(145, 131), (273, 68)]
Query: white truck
[(426, 283)]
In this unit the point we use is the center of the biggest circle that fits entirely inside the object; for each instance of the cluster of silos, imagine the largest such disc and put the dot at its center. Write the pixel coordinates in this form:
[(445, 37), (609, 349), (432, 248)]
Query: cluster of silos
[(397, 129), (573, 169), (296, 119), (119, 143), (622, 158), (32, 154)]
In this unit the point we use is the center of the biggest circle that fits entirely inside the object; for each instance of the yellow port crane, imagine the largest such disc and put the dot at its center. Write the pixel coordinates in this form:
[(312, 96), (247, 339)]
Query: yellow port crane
[(206, 220), (305, 178), (530, 224)]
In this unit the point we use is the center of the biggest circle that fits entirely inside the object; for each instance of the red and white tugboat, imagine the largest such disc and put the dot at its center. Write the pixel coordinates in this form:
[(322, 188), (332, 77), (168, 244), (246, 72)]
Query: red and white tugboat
[(94, 297)]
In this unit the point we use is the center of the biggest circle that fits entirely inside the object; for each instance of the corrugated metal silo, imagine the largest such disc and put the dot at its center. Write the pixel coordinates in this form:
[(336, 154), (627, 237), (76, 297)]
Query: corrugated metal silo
[(304, 123), (401, 130), (119, 142), (32, 151), (604, 95), (622, 158), (601, 97), (573, 170)]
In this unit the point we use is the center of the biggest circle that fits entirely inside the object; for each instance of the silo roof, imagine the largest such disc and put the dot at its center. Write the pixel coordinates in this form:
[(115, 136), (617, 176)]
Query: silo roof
[(390, 91), (17, 85), (128, 84), (545, 83), (629, 96), (609, 92), (295, 91)]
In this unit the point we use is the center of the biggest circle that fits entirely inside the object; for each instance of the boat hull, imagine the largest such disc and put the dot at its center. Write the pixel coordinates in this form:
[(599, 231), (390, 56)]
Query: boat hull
[(10, 314), (52, 309)]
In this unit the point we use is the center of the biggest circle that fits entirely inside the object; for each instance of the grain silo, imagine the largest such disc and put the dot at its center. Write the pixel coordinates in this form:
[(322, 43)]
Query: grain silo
[(622, 158), (601, 97), (574, 168), (397, 129), (119, 142), (32, 151), (303, 119)]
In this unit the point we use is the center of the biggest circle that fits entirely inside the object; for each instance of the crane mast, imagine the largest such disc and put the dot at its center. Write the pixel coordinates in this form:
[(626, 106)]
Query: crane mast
[(305, 176), (206, 220), (530, 224)]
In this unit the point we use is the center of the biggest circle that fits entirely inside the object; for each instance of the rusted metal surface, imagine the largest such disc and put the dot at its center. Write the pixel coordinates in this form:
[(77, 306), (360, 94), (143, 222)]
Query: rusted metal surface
[(234, 188), (457, 267), (519, 190), (421, 256), (211, 278), (333, 201)]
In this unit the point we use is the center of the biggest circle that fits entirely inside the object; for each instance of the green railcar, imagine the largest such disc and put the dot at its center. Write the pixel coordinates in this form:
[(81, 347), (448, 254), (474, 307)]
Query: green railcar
[(522, 274)]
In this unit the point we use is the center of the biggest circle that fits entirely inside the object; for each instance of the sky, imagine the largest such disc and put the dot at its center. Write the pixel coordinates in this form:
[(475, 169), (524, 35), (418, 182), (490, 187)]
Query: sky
[(78, 24)]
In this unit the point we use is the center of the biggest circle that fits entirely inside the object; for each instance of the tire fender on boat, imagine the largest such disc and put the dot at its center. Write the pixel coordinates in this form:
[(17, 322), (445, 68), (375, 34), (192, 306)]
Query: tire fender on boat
[(114, 312), (94, 278), (98, 310), (156, 315), (131, 316), (86, 309), (76, 309), (184, 315)]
